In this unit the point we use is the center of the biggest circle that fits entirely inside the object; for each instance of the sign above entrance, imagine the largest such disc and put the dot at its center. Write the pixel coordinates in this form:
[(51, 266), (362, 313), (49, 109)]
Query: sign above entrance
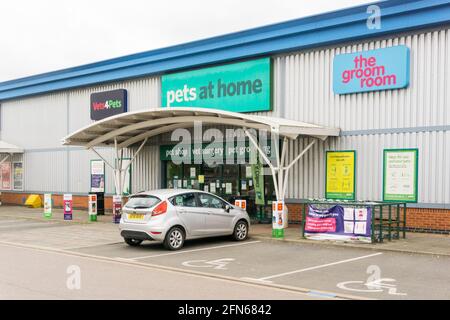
[(108, 103), (207, 151), (373, 70), (238, 87)]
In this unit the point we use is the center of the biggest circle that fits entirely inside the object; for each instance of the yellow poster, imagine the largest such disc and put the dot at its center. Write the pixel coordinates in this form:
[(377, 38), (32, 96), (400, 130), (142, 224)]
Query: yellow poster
[(340, 175)]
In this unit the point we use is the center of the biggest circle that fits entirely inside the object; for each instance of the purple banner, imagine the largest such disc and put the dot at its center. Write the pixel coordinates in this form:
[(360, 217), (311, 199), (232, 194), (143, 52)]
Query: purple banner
[(339, 223)]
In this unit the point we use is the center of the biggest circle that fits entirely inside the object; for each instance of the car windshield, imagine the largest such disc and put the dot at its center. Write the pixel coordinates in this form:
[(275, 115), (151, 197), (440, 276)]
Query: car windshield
[(142, 202)]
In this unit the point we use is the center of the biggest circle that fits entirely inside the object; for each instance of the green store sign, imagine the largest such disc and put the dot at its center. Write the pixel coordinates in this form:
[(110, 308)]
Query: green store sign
[(238, 87)]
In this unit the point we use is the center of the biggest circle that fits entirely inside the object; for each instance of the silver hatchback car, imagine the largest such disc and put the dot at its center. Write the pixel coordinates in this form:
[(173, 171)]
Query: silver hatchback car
[(175, 215)]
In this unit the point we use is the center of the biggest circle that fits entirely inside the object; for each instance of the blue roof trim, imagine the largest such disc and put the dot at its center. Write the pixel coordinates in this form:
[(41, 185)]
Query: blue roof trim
[(324, 29)]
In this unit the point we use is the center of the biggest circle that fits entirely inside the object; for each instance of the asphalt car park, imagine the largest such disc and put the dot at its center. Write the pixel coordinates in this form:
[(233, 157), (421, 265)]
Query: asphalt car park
[(317, 268)]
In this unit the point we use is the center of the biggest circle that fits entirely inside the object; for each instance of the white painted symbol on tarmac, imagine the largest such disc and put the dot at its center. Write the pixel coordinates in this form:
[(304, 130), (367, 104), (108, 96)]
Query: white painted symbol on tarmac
[(374, 283), (373, 286), (215, 264)]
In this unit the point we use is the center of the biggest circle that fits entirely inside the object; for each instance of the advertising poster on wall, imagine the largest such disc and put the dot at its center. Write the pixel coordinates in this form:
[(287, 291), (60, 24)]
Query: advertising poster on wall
[(340, 175), (5, 173), (400, 172), (339, 223), (18, 175), (97, 176)]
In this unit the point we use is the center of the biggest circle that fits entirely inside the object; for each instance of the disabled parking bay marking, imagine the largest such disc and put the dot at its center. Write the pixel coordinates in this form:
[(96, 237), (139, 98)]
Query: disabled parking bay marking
[(215, 264), (374, 283)]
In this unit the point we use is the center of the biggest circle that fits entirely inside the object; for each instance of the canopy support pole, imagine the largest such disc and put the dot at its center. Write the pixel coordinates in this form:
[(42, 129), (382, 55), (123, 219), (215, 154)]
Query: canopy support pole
[(119, 179), (280, 173), (266, 160), (5, 158)]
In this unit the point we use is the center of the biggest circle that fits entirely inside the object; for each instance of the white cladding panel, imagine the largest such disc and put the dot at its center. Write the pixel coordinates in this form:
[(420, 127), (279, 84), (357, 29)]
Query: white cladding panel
[(37, 122), (307, 178), (304, 85), (45, 171), (142, 94), (302, 91)]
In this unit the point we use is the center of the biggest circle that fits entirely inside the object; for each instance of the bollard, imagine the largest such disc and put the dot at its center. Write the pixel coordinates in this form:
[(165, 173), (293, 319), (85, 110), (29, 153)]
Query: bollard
[(117, 208), (48, 205), (92, 207), (279, 219), (67, 202)]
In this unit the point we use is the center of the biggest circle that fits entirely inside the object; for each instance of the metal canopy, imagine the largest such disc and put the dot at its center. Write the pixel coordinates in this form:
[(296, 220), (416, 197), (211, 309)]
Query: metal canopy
[(132, 127), (127, 129), (9, 148)]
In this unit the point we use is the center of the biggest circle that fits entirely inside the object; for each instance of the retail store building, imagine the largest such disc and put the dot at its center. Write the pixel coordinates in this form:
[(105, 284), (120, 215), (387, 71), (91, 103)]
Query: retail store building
[(385, 86)]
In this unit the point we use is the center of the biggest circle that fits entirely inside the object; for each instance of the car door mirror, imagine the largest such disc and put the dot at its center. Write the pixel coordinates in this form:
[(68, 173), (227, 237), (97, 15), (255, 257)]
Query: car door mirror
[(227, 208)]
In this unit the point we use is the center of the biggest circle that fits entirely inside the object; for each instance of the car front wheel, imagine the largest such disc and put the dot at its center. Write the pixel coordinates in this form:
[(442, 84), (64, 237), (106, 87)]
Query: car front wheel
[(240, 231)]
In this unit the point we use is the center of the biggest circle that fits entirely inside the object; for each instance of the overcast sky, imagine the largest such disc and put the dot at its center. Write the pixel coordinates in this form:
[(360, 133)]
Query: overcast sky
[(46, 35)]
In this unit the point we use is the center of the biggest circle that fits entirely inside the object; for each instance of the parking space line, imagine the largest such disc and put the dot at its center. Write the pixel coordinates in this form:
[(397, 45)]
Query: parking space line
[(193, 250), (318, 267)]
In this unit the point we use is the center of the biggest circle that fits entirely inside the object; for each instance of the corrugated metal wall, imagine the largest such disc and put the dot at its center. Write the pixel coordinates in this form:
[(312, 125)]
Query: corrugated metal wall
[(409, 117), (38, 124), (304, 84), (302, 91)]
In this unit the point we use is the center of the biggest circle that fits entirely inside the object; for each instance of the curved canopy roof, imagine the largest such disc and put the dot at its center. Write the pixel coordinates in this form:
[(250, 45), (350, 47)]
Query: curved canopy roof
[(9, 148), (132, 127)]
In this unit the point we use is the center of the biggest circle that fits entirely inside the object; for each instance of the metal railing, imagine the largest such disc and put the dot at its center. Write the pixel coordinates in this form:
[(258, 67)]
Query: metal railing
[(388, 218)]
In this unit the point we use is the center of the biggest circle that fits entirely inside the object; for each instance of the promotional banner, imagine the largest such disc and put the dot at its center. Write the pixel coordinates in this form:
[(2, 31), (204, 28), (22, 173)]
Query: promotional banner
[(340, 175), (67, 203), (5, 172), (379, 69), (117, 208), (48, 205), (18, 175), (339, 223), (239, 87), (97, 176), (400, 172), (258, 182)]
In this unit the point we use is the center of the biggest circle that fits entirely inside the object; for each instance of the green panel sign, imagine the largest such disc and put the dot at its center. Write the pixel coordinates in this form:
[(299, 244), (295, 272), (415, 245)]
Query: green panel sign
[(400, 171), (238, 87)]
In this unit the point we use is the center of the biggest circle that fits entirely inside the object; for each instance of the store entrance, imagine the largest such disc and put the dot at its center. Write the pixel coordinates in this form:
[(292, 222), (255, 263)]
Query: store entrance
[(229, 181)]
